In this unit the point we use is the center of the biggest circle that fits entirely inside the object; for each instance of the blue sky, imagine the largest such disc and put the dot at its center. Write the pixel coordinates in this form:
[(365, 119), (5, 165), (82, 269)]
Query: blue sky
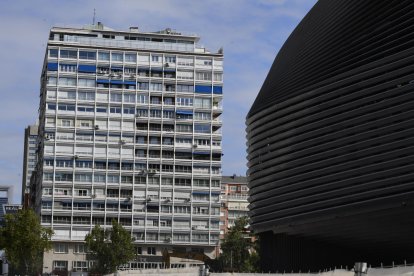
[(250, 31)]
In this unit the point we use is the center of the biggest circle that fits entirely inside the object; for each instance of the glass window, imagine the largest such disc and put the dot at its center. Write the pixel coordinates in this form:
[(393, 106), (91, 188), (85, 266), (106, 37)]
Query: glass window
[(87, 55), (130, 57), (60, 248), (117, 57), (68, 54), (53, 53), (103, 56)]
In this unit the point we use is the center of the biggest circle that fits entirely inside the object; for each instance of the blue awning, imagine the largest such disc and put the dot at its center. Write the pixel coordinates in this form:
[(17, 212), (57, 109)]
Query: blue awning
[(217, 90), (184, 112), (202, 89), (116, 68), (52, 66), (116, 82), (86, 68), (130, 82), (102, 81)]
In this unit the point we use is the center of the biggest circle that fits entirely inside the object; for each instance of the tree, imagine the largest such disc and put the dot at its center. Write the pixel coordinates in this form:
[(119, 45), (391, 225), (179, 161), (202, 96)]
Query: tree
[(24, 241), (238, 252), (109, 248)]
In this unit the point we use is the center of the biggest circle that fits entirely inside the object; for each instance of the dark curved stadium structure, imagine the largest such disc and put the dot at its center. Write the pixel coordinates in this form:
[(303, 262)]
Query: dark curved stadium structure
[(331, 140)]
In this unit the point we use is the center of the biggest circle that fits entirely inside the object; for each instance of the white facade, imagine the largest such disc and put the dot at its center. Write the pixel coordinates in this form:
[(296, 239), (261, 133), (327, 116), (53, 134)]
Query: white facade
[(130, 129)]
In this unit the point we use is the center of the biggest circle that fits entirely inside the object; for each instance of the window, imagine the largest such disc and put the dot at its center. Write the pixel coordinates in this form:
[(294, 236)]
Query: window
[(86, 109), (53, 53), (170, 59), (51, 80), (79, 266), (116, 97), (86, 96), (86, 82), (117, 57), (60, 265), (204, 116), (202, 103), (184, 101), (67, 81), (156, 86), (185, 75), (151, 251), (103, 56), (198, 128), (87, 55), (155, 58), (115, 110), (129, 98), (61, 248), (130, 57), (203, 76), (218, 77), (67, 67), (184, 88), (68, 54), (142, 99)]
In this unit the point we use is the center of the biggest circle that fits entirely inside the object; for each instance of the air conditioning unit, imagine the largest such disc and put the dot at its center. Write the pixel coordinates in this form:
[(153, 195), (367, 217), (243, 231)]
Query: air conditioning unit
[(96, 127), (148, 199), (167, 199), (152, 171), (195, 146), (194, 227), (167, 64), (93, 195), (76, 157), (47, 137), (187, 199), (123, 142)]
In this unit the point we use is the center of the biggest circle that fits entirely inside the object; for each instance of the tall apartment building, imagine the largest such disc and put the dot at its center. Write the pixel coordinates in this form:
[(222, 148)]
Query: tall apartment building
[(234, 194), (29, 159), (130, 125)]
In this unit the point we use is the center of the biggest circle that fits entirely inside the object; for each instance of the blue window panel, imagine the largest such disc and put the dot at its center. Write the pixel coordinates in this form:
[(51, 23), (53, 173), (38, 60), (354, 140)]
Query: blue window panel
[(156, 69), (184, 112), (52, 66), (116, 82), (201, 193), (169, 69), (129, 82), (116, 68), (102, 81), (87, 68), (202, 89), (217, 90)]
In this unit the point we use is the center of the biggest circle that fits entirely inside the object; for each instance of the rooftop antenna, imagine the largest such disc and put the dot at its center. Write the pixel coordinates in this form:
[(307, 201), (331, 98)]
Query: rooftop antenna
[(94, 14)]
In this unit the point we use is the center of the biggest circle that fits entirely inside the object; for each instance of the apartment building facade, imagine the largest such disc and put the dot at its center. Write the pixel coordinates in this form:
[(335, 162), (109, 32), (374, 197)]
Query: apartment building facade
[(234, 194), (29, 159), (130, 129)]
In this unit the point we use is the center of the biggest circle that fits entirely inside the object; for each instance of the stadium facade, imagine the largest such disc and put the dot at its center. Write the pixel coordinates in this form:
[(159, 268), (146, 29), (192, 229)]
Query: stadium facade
[(330, 140)]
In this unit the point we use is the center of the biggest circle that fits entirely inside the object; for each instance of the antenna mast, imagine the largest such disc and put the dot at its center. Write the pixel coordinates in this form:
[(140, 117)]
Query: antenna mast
[(94, 13)]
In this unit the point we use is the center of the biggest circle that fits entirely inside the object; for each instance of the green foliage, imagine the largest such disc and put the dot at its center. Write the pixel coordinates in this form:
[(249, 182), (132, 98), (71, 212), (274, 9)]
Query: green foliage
[(236, 248), (24, 241), (109, 248)]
